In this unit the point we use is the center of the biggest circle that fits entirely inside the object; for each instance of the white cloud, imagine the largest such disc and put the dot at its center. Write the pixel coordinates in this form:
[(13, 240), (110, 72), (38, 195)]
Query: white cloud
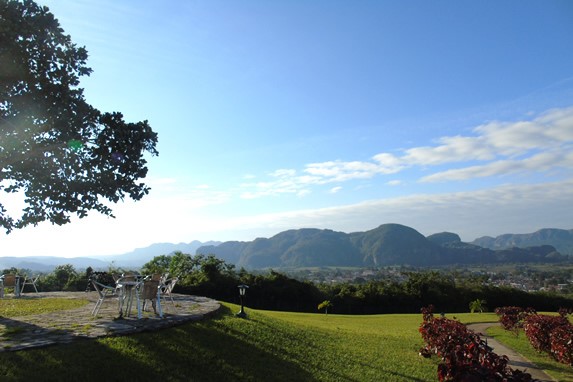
[(282, 173), (452, 149), (338, 171), (549, 130), (540, 162), (334, 190), (388, 162), (499, 148), (285, 181), (504, 209), (283, 185)]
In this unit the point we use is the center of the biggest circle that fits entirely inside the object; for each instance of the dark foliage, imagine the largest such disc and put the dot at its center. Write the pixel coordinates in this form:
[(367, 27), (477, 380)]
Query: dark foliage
[(61, 154), (215, 278), (551, 334), (539, 328), (562, 344), (276, 291), (512, 317), (465, 356)]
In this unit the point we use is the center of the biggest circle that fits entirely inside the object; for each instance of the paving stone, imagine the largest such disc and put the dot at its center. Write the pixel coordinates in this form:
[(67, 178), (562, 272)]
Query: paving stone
[(66, 326)]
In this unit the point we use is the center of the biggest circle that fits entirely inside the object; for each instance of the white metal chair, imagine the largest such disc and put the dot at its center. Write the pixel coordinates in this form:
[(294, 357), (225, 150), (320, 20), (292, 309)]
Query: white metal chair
[(151, 290), (167, 288), (10, 281), (104, 291), (30, 281)]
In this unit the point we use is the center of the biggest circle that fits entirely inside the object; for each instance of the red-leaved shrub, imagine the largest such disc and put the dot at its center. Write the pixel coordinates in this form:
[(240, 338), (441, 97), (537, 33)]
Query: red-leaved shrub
[(562, 344), (550, 334), (538, 330), (465, 356), (512, 317)]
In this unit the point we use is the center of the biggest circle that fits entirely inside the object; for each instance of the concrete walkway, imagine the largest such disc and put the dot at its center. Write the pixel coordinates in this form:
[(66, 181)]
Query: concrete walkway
[(516, 360), (18, 333)]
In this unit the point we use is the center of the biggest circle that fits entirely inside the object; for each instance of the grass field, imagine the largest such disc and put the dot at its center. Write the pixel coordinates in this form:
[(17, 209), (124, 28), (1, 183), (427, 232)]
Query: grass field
[(21, 307), (268, 346)]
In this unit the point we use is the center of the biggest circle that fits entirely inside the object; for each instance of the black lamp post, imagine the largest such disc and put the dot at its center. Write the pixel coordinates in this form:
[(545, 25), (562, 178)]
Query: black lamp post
[(242, 290)]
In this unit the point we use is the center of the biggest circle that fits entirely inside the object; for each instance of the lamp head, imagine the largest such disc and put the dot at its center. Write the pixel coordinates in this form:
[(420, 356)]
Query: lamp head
[(242, 289)]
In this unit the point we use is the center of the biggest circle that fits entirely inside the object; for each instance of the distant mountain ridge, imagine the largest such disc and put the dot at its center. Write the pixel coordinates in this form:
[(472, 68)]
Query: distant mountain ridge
[(561, 239), (48, 263), (140, 256), (133, 259), (388, 244)]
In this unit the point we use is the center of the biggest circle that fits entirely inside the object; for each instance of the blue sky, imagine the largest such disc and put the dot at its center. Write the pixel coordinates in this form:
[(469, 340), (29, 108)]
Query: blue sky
[(272, 115)]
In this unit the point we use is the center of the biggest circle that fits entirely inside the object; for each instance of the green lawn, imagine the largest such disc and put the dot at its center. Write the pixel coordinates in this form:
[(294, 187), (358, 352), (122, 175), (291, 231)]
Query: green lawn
[(268, 346), (364, 348), (12, 307)]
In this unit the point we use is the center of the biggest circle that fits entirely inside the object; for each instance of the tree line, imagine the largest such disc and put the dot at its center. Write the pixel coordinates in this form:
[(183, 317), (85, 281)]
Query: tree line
[(206, 275)]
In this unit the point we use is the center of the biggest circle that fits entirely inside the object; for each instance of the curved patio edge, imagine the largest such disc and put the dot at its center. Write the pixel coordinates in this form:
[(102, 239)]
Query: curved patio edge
[(26, 332)]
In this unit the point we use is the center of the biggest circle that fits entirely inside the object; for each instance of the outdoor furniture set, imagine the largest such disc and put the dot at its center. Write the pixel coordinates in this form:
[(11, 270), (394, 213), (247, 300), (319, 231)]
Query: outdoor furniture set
[(130, 287)]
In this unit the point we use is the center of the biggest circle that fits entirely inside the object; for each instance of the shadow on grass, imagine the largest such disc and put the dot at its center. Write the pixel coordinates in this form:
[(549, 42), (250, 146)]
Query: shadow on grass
[(209, 350), (320, 359), (15, 332)]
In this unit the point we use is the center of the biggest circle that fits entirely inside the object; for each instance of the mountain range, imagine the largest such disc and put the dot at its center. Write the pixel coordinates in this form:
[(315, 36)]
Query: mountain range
[(561, 239), (133, 259), (140, 256), (388, 244)]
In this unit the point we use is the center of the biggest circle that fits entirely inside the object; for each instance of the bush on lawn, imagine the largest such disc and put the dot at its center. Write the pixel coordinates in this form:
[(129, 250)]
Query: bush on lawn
[(465, 356), (512, 318), (562, 344), (538, 330)]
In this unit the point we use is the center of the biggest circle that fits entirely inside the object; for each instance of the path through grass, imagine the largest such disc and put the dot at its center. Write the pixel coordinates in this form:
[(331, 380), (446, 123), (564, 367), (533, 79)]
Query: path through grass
[(520, 343)]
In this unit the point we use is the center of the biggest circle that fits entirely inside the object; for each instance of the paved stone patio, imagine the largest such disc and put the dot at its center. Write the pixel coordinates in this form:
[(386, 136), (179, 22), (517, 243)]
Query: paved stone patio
[(18, 333)]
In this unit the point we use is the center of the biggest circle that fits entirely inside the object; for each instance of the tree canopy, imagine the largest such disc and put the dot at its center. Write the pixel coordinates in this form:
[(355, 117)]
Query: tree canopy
[(58, 153)]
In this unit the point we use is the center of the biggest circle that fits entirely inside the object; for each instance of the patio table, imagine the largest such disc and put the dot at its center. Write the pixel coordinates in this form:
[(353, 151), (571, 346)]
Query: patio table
[(128, 288)]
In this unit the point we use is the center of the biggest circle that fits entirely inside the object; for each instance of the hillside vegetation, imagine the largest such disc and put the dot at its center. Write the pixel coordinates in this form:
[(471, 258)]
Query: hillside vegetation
[(561, 239), (389, 244)]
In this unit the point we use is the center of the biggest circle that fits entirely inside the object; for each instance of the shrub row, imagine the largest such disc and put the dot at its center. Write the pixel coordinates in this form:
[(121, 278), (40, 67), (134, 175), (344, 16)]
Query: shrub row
[(549, 334), (562, 344), (513, 317), (465, 356)]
